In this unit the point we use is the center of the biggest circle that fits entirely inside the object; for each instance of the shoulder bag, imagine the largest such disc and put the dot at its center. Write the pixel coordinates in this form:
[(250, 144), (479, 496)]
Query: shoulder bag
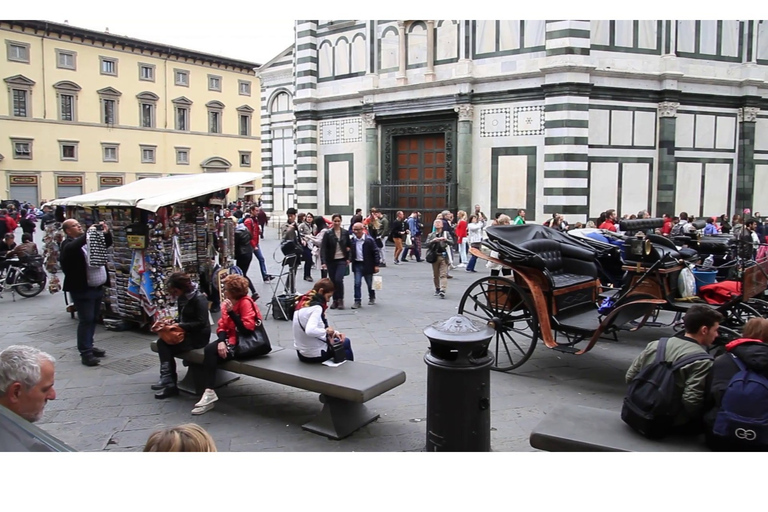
[(253, 343), (172, 334)]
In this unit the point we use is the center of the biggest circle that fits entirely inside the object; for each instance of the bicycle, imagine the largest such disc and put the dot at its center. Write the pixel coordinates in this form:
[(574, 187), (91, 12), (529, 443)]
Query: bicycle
[(25, 277)]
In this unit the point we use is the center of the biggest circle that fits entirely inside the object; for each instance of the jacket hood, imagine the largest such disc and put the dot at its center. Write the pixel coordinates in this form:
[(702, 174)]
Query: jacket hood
[(754, 353), (241, 227)]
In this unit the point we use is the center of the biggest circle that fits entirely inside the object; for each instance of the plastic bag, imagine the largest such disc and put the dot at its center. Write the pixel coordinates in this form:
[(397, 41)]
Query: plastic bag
[(377, 282)]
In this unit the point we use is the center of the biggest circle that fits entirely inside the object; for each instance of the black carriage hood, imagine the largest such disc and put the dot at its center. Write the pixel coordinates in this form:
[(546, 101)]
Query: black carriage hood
[(509, 239)]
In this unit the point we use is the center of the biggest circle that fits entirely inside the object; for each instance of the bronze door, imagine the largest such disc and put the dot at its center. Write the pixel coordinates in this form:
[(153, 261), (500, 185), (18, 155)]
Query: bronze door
[(420, 177)]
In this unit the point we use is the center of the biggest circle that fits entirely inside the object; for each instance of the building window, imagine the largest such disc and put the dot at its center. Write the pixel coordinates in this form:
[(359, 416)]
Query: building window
[(68, 150), (22, 149), (244, 87), (181, 77), (66, 94), (147, 115), (67, 103), (215, 109), (245, 125), (109, 152), (19, 103), (214, 83), (17, 51), (148, 154), (181, 107), (66, 59), (245, 158), (281, 103), (110, 100), (146, 72), (147, 104), (108, 66), (182, 156)]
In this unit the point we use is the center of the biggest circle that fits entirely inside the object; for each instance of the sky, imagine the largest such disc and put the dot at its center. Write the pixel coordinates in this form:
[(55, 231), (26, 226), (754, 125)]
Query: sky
[(257, 31)]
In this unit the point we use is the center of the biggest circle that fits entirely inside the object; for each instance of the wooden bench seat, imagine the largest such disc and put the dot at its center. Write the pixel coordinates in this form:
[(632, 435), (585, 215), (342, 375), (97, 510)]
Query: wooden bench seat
[(577, 428), (343, 389)]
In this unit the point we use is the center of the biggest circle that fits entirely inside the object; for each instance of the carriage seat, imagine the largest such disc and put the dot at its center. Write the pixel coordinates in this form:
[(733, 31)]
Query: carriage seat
[(566, 265)]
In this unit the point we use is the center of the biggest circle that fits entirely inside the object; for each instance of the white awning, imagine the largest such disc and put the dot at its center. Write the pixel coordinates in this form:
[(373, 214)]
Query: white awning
[(256, 192), (152, 193)]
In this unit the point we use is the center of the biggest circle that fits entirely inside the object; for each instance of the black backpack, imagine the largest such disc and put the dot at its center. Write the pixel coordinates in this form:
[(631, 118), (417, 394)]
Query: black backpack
[(652, 400), (743, 416), (3, 227)]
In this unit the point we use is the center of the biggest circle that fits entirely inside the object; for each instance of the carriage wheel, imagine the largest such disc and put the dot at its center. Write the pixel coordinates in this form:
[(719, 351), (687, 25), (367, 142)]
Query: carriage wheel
[(759, 305), (738, 315), (500, 300)]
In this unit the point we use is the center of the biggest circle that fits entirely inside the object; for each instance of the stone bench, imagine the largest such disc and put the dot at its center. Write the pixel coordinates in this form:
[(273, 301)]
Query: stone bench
[(577, 428), (343, 389)]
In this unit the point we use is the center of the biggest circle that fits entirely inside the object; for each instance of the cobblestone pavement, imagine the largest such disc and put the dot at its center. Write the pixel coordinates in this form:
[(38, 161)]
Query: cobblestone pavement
[(111, 408)]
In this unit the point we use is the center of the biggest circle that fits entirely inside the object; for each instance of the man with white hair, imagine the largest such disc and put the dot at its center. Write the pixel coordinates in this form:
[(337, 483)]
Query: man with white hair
[(26, 381)]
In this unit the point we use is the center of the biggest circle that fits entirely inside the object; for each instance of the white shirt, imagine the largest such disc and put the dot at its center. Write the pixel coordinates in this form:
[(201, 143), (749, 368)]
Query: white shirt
[(311, 339)]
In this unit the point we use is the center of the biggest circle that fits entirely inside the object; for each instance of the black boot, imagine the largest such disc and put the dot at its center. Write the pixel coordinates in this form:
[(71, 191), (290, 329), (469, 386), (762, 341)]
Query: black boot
[(167, 391), (167, 377)]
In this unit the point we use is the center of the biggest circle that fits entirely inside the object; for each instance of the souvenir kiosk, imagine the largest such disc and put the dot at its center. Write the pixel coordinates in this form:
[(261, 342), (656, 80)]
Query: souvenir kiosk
[(160, 226)]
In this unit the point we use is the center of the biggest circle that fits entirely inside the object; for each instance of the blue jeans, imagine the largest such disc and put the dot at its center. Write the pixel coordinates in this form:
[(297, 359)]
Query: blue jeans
[(88, 304), (357, 267), (262, 263), (307, 261), (336, 269), (328, 354)]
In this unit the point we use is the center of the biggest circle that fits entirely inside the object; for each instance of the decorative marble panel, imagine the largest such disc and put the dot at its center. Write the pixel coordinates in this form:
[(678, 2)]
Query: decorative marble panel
[(341, 131), (495, 122), (529, 120)]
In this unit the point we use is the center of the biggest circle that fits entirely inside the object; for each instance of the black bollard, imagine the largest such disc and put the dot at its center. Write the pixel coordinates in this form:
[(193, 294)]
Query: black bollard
[(458, 386)]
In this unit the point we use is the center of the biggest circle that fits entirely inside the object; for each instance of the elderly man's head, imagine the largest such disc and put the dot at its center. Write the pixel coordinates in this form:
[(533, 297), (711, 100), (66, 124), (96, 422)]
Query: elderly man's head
[(72, 228), (358, 229), (26, 381)]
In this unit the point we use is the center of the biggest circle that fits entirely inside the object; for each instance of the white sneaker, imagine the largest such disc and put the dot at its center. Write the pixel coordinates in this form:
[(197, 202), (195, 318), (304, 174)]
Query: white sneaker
[(197, 411), (208, 398)]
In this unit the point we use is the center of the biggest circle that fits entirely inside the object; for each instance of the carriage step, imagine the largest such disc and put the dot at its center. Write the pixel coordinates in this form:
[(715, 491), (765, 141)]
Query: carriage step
[(567, 350)]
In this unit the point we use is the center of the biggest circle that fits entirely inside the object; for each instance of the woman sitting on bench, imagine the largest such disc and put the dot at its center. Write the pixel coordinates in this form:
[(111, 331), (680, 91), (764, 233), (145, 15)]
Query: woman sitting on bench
[(238, 312), (311, 334)]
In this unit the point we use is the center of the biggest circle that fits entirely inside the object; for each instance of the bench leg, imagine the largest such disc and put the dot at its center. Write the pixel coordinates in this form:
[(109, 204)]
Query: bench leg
[(194, 383), (339, 418)]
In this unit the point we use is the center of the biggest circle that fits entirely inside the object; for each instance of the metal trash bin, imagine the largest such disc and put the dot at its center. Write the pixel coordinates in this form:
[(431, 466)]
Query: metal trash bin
[(458, 385)]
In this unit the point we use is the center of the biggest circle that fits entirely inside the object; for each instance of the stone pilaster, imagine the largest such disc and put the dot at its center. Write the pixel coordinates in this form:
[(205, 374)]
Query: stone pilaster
[(464, 156), (665, 197), (371, 156), (745, 174)]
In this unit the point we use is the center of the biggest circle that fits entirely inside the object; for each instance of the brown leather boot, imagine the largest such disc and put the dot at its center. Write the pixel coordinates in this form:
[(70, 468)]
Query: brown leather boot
[(335, 304), (340, 305)]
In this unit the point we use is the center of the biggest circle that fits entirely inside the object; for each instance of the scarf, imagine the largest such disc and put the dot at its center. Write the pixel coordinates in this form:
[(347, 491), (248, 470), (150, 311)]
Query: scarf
[(312, 298)]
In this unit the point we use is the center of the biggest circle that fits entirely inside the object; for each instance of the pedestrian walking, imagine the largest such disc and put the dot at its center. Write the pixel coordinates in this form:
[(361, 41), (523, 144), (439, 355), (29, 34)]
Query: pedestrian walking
[(474, 238), (398, 234), (365, 262), (416, 228), (305, 221), (252, 223), (438, 243), (384, 235), (262, 218), (334, 257), (461, 235)]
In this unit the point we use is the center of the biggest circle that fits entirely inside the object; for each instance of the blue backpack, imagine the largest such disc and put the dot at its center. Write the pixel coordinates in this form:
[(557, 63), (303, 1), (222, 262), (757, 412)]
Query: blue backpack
[(743, 416)]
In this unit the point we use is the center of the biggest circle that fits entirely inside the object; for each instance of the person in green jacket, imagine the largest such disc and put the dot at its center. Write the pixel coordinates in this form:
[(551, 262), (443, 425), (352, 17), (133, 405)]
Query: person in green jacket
[(701, 325), (520, 219)]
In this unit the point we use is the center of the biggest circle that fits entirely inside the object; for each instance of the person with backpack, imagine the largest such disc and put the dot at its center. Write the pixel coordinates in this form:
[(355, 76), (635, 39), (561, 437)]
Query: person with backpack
[(682, 227), (667, 381), (736, 417), (244, 254)]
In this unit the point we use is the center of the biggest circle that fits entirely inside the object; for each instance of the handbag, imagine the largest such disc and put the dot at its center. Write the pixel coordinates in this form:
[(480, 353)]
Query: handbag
[(408, 240), (377, 283), (171, 334), (346, 270), (252, 343)]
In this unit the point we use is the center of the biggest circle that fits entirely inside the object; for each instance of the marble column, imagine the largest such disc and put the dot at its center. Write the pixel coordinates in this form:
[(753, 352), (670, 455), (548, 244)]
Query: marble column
[(665, 198), (401, 79), (745, 174), (464, 156), (429, 75), (371, 159)]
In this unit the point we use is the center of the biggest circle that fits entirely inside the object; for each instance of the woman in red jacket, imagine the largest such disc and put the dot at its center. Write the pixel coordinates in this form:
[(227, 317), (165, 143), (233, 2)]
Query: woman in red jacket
[(461, 235), (238, 312)]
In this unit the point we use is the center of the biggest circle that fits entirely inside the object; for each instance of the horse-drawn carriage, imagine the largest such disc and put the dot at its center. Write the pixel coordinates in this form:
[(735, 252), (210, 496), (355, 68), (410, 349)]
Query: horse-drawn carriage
[(557, 290)]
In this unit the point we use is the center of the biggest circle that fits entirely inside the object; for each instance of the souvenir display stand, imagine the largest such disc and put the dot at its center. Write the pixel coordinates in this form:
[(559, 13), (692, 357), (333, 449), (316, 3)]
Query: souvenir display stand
[(151, 241)]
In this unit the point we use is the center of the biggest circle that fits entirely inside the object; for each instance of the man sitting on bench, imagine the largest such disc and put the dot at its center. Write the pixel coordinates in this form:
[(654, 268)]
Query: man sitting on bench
[(312, 337), (701, 324)]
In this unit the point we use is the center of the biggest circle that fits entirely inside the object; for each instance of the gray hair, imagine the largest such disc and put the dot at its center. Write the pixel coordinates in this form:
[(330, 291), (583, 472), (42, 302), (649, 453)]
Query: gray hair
[(20, 363)]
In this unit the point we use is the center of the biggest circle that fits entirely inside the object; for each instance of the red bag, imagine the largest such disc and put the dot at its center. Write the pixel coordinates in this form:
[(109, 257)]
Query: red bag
[(720, 293)]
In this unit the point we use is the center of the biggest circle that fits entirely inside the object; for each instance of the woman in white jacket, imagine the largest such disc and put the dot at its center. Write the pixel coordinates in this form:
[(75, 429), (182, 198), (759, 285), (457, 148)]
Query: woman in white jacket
[(474, 237), (311, 333)]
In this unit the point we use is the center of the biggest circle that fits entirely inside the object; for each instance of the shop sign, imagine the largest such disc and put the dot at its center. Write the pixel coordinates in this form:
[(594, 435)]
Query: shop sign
[(110, 181), (69, 180), (23, 180)]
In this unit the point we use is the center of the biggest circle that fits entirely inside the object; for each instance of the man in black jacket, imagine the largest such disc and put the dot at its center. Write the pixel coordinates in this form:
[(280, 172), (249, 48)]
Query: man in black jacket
[(364, 256), (84, 283)]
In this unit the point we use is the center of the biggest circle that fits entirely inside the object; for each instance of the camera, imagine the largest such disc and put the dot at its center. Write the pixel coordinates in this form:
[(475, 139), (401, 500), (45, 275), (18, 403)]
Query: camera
[(338, 351)]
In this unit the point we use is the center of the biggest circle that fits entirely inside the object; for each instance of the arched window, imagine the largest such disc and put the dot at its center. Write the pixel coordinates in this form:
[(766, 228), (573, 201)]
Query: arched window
[(341, 57), (358, 54), (281, 103), (325, 60), (390, 49), (417, 44), (447, 41)]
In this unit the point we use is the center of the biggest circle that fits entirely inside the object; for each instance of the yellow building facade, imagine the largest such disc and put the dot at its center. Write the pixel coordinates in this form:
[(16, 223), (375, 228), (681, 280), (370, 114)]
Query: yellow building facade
[(84, 110)]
